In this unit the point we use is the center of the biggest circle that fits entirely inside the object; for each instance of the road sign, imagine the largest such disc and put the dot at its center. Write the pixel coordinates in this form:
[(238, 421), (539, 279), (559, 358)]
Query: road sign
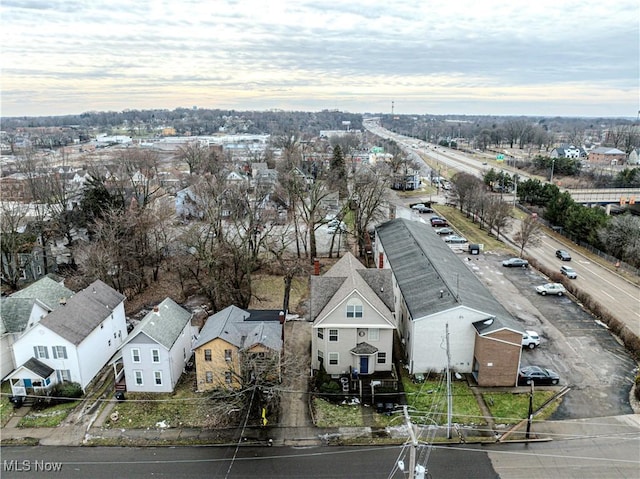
[(500, 157)]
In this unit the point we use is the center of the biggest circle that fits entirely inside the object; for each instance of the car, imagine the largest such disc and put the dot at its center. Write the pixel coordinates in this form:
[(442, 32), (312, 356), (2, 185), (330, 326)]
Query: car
[(551, 288), (455, 239), (422, 209), (515, 263), (437, 221), (563, 255), (337, 228), (444, 231), (530, 339), (537, 375), (569, 272)]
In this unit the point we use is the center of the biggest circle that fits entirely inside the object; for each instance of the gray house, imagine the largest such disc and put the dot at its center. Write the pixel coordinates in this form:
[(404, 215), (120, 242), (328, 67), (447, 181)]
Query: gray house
[(156, 352), (435, 292)]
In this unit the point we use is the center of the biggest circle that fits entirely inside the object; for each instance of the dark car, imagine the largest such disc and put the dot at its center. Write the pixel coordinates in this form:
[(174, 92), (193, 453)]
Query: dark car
[(537, 375), (437, 221), (515, 263), (563, 255)]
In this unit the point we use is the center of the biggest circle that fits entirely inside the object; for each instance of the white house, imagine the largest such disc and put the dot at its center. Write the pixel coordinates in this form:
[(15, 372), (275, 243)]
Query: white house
[(156, 352), (435, 293), (22, 310), (75, 340), (353, 322)]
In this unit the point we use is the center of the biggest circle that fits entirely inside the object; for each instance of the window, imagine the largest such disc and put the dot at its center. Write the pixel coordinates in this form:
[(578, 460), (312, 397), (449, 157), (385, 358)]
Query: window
[(157, 377), (138, 377), (63, 375), (382, 358), (207, 355), (333, 335), (59, 352), (155, 355), (320, 356), (354, 310), (374, 334), (208, 377), (227, 354), (227, 377), (320, 333), (135, 355), (41, 352), (333, 358)]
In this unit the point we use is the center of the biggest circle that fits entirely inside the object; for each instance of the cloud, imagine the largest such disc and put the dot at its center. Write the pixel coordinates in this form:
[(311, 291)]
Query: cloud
[(427, 55)]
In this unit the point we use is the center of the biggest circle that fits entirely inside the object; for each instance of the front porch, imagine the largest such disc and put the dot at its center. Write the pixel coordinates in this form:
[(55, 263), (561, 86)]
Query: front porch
[(370, 388), (33, 378)]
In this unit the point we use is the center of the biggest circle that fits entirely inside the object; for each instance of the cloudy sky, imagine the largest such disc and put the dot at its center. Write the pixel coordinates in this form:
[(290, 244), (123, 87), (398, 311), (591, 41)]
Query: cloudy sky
[(493, 57)]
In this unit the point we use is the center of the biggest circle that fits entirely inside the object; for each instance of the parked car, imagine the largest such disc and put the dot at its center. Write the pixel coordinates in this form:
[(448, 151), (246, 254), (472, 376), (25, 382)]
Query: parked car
[(551, 288), (437, 221), (444, 231), (569, 272), (563, 255), (530, 339), (537, 375), (515, 263), (422, 209), (455, 239), (337, 228)]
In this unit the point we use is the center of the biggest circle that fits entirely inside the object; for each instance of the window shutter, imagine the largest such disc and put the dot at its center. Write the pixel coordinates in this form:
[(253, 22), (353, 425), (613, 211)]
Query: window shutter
[(35, 352)]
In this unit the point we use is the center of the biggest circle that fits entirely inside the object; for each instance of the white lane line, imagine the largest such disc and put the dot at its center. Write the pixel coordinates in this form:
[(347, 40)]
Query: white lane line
[(604, 292)]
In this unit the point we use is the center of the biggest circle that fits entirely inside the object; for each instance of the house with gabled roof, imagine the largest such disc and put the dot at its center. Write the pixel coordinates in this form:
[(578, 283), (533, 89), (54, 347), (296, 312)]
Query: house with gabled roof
[(23, 309), (156, 352), (603, 155), (353, 322), (238, 346), (76, 340), (440, 301)]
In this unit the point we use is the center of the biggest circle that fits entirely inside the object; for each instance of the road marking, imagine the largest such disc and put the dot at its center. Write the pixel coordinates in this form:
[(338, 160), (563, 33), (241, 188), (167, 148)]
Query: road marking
[(604, 292)]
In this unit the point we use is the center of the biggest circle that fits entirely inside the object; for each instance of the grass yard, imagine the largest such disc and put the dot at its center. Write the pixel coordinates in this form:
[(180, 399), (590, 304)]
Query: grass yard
[(428, 401), (49, 417), (335, 415), (182, 408), (6, 408), (511, 408), (268, 292)]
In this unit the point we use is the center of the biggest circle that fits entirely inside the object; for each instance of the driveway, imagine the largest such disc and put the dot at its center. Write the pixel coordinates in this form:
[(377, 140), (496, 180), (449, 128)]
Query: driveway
[(588, 358)]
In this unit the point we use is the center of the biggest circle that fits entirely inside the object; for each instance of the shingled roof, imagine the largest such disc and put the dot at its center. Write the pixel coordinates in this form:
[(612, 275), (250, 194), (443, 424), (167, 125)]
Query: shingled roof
[(83, 312), (235, 326), (16, 309), (347, 275), (431, 277), (163, 324)]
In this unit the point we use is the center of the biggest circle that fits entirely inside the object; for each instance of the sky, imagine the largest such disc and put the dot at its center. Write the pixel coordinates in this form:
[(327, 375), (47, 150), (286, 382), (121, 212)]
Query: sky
[(475, 57)]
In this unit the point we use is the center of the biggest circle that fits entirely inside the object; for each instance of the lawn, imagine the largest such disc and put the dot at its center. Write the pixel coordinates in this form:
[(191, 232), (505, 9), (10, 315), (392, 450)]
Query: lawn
[(511, 408), (328, 414), (182, 408), (48, 417), (268, 292), (428, 402), (6, 408)]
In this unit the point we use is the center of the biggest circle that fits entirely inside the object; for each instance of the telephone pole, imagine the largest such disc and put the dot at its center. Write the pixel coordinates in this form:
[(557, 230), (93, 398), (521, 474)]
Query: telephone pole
[(449, 398)]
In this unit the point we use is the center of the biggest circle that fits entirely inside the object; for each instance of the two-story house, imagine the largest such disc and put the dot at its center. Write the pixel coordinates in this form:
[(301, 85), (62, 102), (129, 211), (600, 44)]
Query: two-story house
[(156, 352), (439, 301), (236, 347), (23, 309), (353, 323), (75, 340)]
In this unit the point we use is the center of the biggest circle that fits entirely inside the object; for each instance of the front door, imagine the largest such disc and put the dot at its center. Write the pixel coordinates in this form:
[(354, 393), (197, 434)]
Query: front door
[(364, 365)]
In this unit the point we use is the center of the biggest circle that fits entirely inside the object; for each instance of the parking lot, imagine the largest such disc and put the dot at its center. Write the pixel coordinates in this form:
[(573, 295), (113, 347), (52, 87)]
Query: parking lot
[(581, 350)]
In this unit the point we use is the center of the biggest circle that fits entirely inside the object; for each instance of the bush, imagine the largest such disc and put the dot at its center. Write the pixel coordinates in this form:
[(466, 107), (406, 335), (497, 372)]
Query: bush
[(66, 391), (638, 387)]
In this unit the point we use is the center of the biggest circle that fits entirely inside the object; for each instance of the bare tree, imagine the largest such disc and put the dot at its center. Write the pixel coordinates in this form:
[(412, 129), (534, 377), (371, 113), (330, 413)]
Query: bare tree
[(14, 242), (528, 234), (368, 195), (194, 155)]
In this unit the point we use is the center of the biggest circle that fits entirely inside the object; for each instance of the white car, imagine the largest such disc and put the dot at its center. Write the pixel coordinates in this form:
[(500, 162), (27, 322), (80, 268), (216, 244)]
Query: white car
[(551, 288), (569, 272), (530, 339)]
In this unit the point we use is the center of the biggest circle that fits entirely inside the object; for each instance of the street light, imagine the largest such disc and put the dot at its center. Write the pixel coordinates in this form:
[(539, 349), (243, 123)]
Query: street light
[(553, 162)]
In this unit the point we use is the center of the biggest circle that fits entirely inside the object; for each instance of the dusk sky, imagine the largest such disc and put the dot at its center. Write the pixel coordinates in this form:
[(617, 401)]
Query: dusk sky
[(489, 57)]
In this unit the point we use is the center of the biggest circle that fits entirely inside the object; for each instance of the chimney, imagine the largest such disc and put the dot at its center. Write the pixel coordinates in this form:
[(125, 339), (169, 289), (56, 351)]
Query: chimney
[(156, 310), (63, 301), (316, 267), (282, 318), (380, 261)]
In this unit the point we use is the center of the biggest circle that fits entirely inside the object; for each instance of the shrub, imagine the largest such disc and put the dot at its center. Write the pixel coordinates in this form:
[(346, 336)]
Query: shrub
[(638, 387), (66, 391)]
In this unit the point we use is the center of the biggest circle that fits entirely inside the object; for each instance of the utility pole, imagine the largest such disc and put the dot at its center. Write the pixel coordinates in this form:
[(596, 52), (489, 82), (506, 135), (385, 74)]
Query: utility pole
[(415, 471), (449, 398), (530, 415), (553, 163)]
